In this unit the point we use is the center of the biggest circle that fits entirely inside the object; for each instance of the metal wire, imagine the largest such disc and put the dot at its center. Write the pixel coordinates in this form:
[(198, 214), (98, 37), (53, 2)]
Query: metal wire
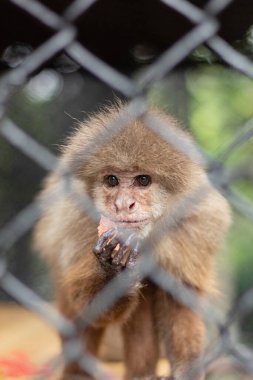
[(204, 30)]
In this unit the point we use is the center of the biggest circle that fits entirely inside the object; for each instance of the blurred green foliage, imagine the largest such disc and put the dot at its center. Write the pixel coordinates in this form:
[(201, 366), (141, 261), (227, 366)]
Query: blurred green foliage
[(220, 102), (220, 105)]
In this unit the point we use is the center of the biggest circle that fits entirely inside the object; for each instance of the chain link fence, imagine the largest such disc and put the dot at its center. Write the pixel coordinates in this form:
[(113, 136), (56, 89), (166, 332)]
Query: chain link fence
[(205, 30)]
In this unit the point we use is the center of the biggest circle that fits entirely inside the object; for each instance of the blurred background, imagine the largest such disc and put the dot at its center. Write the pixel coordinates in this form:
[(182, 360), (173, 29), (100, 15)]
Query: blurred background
[(213, 101)]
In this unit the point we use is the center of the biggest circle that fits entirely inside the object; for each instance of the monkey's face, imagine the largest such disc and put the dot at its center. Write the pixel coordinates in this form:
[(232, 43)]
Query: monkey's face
[(131, 199)]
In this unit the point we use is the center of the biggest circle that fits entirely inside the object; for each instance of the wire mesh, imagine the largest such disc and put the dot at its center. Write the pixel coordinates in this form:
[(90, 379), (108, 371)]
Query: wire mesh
[(205, 30)]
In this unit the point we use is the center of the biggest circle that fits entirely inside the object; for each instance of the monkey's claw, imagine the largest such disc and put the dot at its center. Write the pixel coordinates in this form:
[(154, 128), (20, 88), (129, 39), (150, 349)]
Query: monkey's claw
[(116, 250), (105, 245)]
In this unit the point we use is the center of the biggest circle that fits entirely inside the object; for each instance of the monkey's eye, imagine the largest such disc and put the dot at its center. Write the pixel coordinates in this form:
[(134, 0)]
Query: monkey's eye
[(143, 180), (111, 180)]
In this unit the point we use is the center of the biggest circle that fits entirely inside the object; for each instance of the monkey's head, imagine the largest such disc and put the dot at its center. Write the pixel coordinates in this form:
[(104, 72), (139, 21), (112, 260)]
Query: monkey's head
[(135, 177)]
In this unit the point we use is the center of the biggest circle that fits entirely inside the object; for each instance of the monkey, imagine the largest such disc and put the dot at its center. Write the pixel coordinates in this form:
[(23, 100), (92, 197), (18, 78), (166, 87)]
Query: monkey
[(136, 180)]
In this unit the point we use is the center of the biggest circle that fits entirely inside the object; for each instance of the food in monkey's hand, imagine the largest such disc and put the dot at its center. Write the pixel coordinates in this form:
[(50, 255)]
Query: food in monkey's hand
[(104, 225)]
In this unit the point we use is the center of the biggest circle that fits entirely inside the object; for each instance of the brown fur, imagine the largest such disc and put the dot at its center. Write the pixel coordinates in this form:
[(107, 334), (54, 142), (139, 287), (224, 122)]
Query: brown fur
[(65, 236)]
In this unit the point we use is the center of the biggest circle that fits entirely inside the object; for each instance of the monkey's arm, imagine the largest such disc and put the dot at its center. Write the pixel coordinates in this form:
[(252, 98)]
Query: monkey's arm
[(183, 334), (188, 251), (78, 284), (66, 237)]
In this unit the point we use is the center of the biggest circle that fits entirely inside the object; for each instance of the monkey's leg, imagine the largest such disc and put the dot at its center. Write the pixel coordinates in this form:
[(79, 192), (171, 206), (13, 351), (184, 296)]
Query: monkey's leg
[(92, 338), (141, 342), (183, 332)]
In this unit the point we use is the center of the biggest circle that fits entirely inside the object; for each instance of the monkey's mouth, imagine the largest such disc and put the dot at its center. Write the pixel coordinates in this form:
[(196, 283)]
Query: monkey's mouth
[(131, 223)]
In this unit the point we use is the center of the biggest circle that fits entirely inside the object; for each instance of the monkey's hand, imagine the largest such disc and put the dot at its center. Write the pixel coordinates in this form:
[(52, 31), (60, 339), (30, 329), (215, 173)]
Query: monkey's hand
[(116, 250)]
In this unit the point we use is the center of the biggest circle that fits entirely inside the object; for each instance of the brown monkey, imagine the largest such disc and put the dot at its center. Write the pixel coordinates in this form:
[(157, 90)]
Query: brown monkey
[(136, 180)]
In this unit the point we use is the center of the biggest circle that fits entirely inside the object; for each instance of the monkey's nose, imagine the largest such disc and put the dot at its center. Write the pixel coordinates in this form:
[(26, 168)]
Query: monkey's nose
[(131, 206), (124, 205)]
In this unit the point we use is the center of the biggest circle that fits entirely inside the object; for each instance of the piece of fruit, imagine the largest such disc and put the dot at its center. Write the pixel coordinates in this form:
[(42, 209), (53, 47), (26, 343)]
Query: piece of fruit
[(104, 225)]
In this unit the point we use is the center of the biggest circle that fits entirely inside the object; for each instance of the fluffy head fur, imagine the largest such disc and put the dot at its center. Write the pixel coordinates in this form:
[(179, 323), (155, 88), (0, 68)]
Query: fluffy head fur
[(136, 147)]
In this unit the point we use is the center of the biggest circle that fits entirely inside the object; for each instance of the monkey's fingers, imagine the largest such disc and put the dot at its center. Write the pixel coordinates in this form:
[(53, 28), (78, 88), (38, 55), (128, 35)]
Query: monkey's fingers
[(103, 240), (131, 260), (104, 250), (111, 247), (120, 256)]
